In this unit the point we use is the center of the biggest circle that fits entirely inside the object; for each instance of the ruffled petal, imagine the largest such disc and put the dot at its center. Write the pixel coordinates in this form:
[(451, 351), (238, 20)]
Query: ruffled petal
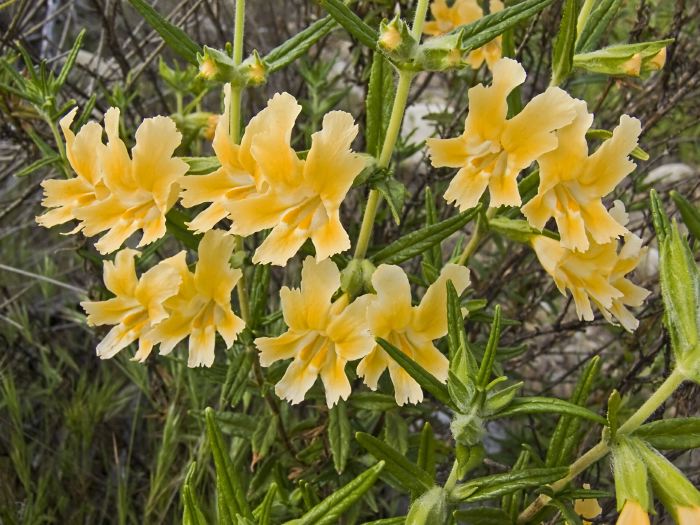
[(430, 319)]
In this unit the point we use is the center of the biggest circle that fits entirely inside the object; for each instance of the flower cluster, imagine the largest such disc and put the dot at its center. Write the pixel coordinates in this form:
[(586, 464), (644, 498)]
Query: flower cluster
[(262, 183), (551, 130), (169, 303)]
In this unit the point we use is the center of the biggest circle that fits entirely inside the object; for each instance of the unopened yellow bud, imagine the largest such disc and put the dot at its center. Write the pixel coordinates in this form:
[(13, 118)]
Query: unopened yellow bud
[(207, 68), (390, 38), (688, 515), (633, 514), (633, 66), (658, 61), (210, 128)]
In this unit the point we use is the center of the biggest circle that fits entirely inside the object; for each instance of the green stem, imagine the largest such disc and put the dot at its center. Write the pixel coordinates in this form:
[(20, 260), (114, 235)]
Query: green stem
[(419, 19), (59, 145), (452, 478), (476, 237), (237, 91), (600, 450), (392, 134)]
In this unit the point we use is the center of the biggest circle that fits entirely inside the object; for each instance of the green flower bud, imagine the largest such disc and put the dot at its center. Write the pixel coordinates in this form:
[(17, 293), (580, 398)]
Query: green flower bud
[(254, 70), (680, 290), (674, 490), (631, 480), (430, 508), (218, 66), (467, 429), (396, 41), (627, 59), (442, 53), (356, 278)]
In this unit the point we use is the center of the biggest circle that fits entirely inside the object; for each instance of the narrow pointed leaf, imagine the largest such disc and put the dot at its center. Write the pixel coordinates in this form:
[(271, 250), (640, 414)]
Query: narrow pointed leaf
[(546, 405), (413, 478), (330, 509), (488, 487), (352, 23), (563, 51), (298, 45), (424, 378), (339, 435), (671, 434)]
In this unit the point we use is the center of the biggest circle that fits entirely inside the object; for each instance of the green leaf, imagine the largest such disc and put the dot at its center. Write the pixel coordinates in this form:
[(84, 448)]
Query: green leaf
[(259, 293), (615, 60), (264, 436), (401, 520), (70, 61), (263, 512), (500, 399), (339, 435), (237, 377), (482, 516), (462, 362), (394, 192), (517, 230), (412, 478), (191, 514), (671, 434), (374, 401), (659, 217), (37, 164), (419, 241), (201, 165), (330, 509), (175, 221), (567, 512), (396, 431), (431, 507), (378, 104), (604, 134), (352, 23), (232, 497), (596, 24), (298, 45), (490, 26), (486, 366), (497, 485), (426, 450), (563, 50), (545, 405), (689, 212), (566, 434), (614, 402), (433, 255), (174, 37), (424, 378)]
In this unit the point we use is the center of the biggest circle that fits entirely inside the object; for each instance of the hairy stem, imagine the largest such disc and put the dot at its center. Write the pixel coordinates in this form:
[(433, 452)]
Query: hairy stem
[(600, 450)]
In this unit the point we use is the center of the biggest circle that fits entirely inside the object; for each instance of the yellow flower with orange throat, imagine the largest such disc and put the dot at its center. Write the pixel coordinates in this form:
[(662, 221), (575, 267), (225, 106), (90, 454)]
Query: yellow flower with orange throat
[(237, 177), (573, 183), (202, 306), (65, 196), (462, 12), (138, 303), (597, 275), (323, 335), (115, 192), (411, 329), (493, 149), (263, 184)]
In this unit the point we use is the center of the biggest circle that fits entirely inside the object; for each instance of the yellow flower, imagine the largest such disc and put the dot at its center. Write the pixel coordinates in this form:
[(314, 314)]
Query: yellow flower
[(464, 12), (322, 336), (688, 515), (411, 329), (302, 198), (597, 275), (236, 178), (572, 183), (65, 196), (588, 509), (140, 190), (493, 150), (138, 303), (633, 514), (202, 306)]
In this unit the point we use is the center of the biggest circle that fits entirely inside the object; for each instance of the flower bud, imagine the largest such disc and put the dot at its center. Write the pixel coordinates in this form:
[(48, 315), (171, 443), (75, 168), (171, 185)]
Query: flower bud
[(680, 290), (628, 59), (395, 40), (356, 278), (631, 482), (467, 429), (671, 486), (430, 508), (441, 53), (254, 70), (216, 65)]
